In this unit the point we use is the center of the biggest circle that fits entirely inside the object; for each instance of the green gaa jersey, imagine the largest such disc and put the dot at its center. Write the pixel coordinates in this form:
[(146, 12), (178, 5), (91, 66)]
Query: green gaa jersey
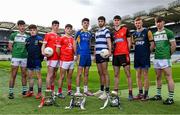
[(162, 41), (18, 48)]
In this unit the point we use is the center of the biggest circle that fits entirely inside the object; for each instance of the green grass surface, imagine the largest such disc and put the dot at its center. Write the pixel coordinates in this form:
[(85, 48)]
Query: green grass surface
[(21, 105)]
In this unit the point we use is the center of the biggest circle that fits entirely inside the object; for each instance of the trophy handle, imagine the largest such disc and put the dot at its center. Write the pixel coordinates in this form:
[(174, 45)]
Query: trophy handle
[(105, 104), (83, 103)]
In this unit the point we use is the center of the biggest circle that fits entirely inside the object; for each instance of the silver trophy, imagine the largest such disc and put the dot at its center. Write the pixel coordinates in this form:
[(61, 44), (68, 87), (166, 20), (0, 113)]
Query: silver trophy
[(77, 101), (49, 99), (112, 100)]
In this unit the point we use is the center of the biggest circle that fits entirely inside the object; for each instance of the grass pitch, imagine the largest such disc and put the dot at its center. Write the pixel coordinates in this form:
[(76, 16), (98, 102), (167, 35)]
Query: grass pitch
[(21, 105)]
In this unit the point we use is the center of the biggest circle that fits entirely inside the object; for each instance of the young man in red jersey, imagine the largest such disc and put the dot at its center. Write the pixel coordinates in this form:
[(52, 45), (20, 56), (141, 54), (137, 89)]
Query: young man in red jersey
[(51, 40), (122, 46), (66, 50)]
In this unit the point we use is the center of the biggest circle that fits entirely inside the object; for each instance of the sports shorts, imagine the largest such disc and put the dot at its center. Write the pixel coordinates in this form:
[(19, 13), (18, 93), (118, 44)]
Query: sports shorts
[(100, 59), (67, 64), (22, 62), (162, 63), (121, 60)]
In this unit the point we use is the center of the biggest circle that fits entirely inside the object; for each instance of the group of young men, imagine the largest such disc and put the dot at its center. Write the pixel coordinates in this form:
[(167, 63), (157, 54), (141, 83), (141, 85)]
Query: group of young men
[(28, 51)]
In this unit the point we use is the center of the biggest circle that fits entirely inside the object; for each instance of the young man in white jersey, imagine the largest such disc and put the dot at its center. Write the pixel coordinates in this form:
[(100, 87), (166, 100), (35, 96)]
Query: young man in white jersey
[(165, 46), (103, 41), (19, 58)]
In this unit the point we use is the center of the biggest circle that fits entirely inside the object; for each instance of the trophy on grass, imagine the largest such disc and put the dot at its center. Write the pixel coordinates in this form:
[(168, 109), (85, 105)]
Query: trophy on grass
[(77, 101), (48, 100), (112, 100)]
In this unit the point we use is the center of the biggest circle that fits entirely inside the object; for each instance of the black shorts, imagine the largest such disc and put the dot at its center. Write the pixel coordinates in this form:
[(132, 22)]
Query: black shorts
[(100, 59), (121, 60), (142, 62)]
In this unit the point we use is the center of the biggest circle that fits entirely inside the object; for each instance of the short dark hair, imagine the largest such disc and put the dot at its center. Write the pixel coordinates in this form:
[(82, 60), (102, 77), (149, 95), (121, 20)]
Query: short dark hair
[(21, 22), (117, 17), (101, 18), (32, 26), (55, 22), (68, 25), (85, 19), (159, 19)]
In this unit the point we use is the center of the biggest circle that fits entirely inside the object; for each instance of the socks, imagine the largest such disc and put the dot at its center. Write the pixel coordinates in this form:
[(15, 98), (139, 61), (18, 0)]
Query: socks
[(11, 90), (145, 93), (52, 88), (30, 88), (159, 91), (39, 90), (78, 89), (24, 88), (130, 92), (140, 91), (171, 94), (85, 88), (69, 88), (102, 87), (107, 89), (60, 90)]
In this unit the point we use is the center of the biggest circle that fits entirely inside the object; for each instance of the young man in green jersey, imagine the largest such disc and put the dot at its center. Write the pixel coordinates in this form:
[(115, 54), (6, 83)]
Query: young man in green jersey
[(165, 46), (19, 57)]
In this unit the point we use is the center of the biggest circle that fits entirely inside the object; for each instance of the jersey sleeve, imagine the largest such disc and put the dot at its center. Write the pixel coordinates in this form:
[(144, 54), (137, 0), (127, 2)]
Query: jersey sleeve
[(40, 40), (132, 39), (128, 34), (170, 35), (108, 34), (150, 36), (77, 37), (45, 39), (11, 38)]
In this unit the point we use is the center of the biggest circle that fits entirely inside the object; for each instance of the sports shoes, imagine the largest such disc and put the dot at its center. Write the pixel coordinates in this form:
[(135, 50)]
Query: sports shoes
[(130, 97), (88, 93), (156, 98), (78, 94), (69, 93), (39, 95), (60, 95), (168, 101), (139, 96), (115, 93), (103, 96), (29, 94), (98, 93), (145, 98), (11, 96)]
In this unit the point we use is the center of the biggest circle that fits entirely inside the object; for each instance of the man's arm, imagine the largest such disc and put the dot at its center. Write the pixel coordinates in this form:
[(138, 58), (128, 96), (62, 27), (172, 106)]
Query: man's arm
[(129, 42), (74, 46), (173, 46), (109, 46), (42, 48), (10, 46), (128, 35), (151, 40)]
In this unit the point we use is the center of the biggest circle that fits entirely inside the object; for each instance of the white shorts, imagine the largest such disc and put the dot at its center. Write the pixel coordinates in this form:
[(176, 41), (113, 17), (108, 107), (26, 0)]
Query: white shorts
[(67, 64), (53, 63), (162, 63), (22, 62)]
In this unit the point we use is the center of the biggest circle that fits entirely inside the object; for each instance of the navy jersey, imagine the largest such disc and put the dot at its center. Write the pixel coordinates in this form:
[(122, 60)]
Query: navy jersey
[(33, 46), (142, 41), (83, 40)]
